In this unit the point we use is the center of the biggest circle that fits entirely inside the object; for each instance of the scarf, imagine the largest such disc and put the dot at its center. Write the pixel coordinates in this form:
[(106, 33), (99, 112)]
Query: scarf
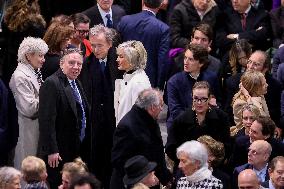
[(199, 175)]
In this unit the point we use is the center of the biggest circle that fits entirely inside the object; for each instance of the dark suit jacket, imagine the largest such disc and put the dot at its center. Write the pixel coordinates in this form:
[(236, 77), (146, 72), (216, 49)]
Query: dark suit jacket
[(239, 169), (96, 18), (186, 128), (277, 23), (60, 118), (137, 133), (154, 35), (230, 23)]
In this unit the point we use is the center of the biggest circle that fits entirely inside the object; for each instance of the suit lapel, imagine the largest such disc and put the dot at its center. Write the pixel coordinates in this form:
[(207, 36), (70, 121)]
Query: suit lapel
[(68, 91)]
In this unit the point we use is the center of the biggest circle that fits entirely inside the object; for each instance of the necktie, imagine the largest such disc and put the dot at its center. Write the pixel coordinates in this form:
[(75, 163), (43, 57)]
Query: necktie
[(103, 66), (243, 20), (79, 100), (39, 77), (109, 22)]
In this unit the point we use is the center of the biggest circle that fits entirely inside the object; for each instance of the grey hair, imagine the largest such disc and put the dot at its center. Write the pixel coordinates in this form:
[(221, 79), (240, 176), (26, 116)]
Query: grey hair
[(195, 150), (7, 175), (135, 54), (31, 45), (98, 29), (148, 97)]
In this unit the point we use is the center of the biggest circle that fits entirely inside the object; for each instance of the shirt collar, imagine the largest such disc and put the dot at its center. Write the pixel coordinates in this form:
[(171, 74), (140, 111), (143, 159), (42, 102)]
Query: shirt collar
[(248, 9), (261, 173), (105, 60), (149, 11), (195, 78)]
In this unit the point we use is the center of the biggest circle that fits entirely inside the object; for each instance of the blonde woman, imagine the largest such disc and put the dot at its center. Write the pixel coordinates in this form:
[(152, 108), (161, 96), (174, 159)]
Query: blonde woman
[(132, 58), (253, 87), (25, 84)]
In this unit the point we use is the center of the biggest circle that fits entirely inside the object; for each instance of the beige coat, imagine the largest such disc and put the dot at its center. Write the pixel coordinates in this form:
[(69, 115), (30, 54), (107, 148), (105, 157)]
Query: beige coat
[(25, 89), (239, 103)]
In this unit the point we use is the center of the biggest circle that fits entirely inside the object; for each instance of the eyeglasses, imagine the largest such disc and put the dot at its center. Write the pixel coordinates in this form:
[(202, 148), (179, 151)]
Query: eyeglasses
[(202, 99), (255, 64), (83, 32)]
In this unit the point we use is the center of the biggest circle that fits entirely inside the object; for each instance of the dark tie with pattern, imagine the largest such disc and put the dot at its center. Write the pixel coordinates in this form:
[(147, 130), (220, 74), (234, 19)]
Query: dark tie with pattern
[(79, 100), (243, 20), (109, 22)]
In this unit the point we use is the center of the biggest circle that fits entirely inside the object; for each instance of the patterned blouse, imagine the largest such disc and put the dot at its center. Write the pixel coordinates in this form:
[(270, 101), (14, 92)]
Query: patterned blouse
[(209, 183)]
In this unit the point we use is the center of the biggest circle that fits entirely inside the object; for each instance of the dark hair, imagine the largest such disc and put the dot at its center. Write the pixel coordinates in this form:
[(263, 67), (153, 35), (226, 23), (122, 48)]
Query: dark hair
[(81, 180), (206, 29), (274, 161), (56, 34), (238, 47), (200, 53), (153, 3), (79, 18), (268, 125)]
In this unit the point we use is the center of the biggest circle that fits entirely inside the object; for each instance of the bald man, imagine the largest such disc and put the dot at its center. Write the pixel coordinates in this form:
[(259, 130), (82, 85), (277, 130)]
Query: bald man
[(258, 157), (247, 179)]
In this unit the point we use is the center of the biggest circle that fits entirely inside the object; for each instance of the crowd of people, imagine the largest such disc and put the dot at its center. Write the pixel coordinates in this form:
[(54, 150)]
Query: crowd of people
[(81, 94)]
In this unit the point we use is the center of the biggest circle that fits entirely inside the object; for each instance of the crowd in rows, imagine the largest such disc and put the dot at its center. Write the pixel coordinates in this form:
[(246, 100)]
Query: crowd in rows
[(92, 85)]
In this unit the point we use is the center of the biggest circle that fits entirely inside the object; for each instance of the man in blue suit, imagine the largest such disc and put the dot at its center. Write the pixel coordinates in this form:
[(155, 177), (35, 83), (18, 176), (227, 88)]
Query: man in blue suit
[(258, 158), (154, 34)]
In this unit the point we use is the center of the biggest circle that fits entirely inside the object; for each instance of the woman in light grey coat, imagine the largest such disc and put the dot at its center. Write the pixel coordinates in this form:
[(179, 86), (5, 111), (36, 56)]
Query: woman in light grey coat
[(25, 83)]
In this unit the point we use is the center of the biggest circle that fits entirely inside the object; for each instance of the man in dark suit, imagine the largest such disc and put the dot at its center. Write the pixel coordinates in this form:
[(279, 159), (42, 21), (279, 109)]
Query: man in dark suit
[(138, 133), (104, 12), (258, 158), (98, 75), (63, 117), (276, 173), (243, 21), (154, 34)]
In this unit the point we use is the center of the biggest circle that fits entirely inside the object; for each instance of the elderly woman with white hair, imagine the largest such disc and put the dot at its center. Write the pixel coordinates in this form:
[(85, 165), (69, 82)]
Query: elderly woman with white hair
[(193, 158), (25, 83), (10, 178), (132, 58)]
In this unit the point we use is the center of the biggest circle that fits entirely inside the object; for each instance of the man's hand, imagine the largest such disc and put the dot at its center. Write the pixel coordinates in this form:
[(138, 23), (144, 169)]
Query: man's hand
[(233, 36), (53, 160)]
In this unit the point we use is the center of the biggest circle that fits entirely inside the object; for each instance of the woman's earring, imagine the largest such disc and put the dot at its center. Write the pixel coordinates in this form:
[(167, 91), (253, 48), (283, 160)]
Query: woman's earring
[(193, 108)]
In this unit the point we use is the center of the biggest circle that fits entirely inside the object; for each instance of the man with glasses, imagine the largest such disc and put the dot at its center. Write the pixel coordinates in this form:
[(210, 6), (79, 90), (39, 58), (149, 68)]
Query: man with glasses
[(258, 158), (63, 117), (98, 75), (82, 25), (138, 133)]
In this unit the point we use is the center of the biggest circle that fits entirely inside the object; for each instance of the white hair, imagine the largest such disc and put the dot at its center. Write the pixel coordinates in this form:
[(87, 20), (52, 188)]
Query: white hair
[(7, 175), (195, 150), (31, 45)]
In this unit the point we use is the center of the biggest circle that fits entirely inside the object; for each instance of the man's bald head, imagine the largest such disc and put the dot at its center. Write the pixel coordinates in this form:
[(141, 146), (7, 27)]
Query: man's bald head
[(248, 179)]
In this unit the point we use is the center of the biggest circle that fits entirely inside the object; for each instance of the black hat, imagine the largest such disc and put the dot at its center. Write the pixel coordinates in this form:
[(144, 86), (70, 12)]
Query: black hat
[(136, 168)]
